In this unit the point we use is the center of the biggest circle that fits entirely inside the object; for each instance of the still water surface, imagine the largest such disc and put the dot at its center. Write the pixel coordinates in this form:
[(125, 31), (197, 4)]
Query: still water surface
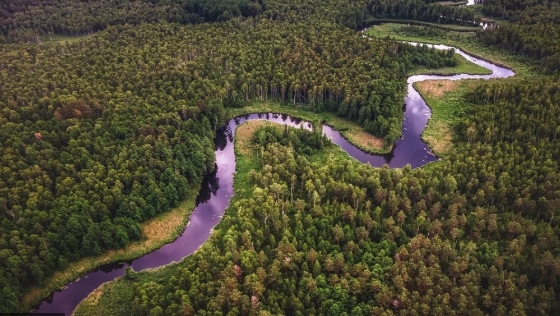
[(217, 188)]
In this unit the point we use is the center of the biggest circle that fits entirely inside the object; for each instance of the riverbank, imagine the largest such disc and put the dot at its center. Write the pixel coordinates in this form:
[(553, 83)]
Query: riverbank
[(446, 101), (156, 232), (351, 131), (116, 297), (298, 111), (467, 42), (463, 67), (445, 97), (246, 156)]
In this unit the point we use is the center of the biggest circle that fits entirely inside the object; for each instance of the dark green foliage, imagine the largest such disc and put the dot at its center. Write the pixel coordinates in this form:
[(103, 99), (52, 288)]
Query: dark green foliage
[(30, 20), (533, 31), (303, 141), (427, 11), (475, 234), (507, 9), (101, 134), (428, 57), (36, 21), (78, 174)]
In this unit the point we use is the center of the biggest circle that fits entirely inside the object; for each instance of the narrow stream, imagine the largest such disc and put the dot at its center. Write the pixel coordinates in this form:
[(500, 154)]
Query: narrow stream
[(217, 188)]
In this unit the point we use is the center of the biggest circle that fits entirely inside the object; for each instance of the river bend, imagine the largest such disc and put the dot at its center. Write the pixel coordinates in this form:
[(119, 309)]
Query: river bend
[(217, 188)]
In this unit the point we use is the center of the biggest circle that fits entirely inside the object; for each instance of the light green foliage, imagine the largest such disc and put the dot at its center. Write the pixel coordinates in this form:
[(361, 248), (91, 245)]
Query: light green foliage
[(104, 132), (100, 134), (384, 240)]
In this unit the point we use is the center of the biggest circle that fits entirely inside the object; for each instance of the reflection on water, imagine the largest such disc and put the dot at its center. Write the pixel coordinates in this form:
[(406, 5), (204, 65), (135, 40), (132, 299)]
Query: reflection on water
[(221, 139), (217, 188), (209, 187)]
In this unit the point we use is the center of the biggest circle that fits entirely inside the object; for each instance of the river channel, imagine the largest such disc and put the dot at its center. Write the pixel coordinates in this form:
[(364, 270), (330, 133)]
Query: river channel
[(217, 188)]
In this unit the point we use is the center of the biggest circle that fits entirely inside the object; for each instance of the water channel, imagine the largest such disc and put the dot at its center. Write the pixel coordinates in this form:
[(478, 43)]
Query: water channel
[(217, 188)]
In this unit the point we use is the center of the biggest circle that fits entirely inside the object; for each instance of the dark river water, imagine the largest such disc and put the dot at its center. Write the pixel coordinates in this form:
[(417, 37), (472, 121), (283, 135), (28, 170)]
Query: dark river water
[(217, 188)]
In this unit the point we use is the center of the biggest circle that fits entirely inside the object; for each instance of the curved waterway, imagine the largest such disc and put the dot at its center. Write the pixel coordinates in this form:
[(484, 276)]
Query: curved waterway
[(217, 188)]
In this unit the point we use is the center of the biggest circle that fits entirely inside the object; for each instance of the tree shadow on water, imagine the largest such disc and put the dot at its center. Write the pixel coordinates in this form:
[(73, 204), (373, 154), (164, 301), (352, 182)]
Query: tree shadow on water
[(209, 187), (389, 156), (224, 136)]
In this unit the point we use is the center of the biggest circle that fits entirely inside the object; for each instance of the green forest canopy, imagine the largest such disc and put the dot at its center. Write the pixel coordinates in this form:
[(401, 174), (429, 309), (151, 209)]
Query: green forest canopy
[(476, 234), (104, 133)]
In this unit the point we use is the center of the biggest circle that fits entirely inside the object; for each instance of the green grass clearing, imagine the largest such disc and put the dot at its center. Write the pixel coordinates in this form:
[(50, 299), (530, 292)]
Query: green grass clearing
[(446, 100), (463, 67), (448, 27), (467, 42)]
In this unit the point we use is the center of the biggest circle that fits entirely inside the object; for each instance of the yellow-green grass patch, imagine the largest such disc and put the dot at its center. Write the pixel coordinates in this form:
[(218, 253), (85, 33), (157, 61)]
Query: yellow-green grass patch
[(156, 232), (244, 135), (352, 131), (364, 139), (438, 137), (436, 88), (446, 100), (110, 298)]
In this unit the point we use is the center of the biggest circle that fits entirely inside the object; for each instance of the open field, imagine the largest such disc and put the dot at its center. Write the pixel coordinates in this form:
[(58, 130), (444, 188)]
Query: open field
[(448, 27)]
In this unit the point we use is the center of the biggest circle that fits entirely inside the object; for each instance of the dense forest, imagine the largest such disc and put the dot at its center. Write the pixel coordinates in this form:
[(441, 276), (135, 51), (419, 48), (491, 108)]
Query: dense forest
[(507, 9), (29, 20), (533, 30), (101, 134), (475, 234), (429, 11), (36, 21)]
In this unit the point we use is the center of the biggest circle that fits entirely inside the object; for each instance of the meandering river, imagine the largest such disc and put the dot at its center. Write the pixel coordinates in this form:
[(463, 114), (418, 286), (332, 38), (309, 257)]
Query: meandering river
[(217, 188)]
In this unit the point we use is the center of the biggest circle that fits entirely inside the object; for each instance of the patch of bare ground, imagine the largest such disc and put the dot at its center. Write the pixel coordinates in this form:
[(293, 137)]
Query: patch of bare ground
[(437, 88), (244, 135), (364, 139)]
